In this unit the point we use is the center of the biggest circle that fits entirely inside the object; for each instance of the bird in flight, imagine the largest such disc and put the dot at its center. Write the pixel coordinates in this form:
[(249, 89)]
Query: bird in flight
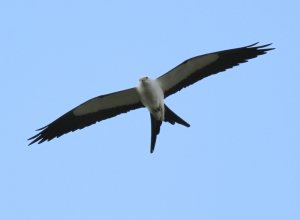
[(149, 93)]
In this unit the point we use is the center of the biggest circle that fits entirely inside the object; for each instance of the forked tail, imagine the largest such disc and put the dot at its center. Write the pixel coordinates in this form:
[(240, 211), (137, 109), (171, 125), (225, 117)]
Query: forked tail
[(155, 129), (172, 118)]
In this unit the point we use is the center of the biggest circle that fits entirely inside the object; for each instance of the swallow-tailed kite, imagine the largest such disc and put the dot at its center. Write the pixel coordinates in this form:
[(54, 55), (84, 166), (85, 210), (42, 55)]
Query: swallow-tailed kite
[(149, 93)]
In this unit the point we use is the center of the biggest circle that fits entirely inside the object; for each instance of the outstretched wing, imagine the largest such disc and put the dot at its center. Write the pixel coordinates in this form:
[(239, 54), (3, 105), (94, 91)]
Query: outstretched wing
[(197, 68), (90, 112)]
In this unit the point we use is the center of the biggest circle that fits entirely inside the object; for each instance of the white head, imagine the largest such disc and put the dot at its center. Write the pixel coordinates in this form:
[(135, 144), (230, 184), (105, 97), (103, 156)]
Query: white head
[(144, 79)]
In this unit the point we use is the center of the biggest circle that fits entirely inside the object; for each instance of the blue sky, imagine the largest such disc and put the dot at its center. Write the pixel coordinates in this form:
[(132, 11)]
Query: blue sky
[(238, 160)]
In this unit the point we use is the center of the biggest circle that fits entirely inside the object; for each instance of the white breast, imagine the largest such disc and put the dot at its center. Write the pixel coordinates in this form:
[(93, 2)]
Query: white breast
[(152, 97)]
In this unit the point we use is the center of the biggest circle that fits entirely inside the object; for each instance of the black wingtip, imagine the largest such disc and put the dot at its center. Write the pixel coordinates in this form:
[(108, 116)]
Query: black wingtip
[(38, 138), (252, 45), (41, 128), (262, 47), (34, 139)]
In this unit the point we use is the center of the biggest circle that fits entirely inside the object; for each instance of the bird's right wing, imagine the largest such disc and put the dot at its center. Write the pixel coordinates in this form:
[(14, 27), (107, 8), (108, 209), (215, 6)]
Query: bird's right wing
[(90, 112), (199, 67)]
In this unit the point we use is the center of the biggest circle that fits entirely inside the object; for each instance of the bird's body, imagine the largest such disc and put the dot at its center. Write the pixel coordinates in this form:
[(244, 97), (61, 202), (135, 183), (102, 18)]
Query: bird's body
[(149, 93), (152, 97)]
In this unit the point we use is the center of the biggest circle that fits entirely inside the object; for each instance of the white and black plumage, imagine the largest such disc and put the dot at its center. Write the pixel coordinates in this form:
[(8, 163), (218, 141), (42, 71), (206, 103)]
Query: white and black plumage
[(149, 93)]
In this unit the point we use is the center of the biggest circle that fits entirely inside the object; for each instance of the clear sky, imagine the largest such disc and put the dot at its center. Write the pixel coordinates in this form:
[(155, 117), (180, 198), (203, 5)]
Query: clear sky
[(238, 160)]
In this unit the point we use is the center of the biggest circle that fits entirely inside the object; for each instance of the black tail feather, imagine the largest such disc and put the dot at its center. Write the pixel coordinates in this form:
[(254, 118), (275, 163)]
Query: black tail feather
[(172, 118), (155, 129)]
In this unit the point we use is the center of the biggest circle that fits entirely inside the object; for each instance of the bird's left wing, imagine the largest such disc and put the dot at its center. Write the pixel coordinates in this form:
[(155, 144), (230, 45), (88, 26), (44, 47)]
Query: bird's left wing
[(90, 112), (197, 68)]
